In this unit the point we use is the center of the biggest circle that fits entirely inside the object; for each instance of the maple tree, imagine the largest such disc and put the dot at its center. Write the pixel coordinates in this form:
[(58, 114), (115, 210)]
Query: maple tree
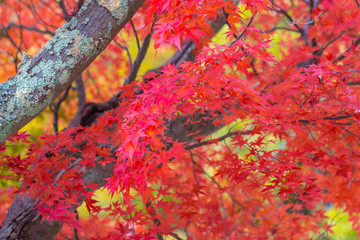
[(246, 137)]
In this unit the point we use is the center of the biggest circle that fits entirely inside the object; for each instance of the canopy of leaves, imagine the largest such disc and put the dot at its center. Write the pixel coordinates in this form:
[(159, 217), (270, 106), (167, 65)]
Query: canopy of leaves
[(249, 137)]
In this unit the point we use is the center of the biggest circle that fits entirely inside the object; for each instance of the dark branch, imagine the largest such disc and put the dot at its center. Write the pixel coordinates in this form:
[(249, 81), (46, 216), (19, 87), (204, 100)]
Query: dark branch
[(33, 29), (342, 56), (140, 57), (135, 33), (357, 3), (214, 141), (127, 51), (80, 89), (281, 28), (55, 106)]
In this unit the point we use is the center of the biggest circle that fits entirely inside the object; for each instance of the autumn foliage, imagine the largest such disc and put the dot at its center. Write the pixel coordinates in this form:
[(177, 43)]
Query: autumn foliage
[(250, 138)]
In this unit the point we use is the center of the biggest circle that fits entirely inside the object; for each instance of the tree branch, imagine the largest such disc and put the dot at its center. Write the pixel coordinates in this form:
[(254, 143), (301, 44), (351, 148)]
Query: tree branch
[(213, 141), (34, 29), (80, 89), (126, 50), (140, 57), (135, 33), (55, 106), (60, 62), (342, 56)]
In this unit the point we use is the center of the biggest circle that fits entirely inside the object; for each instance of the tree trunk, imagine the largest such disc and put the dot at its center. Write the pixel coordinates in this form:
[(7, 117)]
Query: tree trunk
[(75, 45)]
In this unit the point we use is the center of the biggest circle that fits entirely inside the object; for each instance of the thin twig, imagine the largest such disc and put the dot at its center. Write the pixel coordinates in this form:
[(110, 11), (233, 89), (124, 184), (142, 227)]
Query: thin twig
[(310, 95), (140, 57), (194, 169), (63, 9), (247, 26), (226, 15), (342, 56), (243, 33), (292, 21), (338, 117), (174, 235), (199, 144), (127, 52), (33, 29), (216, 183), (280, 28), (320, 51), (62, 171), (55, 108), (357, 3), (136, 36), (76, 236), (36, 15)]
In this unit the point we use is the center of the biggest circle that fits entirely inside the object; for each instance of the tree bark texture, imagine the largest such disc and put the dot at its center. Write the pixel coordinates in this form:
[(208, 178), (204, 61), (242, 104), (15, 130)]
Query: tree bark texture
[(75, 45)]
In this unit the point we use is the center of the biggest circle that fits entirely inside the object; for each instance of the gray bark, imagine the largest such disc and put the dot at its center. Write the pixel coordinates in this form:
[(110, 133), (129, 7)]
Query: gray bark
[(75, 45)]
